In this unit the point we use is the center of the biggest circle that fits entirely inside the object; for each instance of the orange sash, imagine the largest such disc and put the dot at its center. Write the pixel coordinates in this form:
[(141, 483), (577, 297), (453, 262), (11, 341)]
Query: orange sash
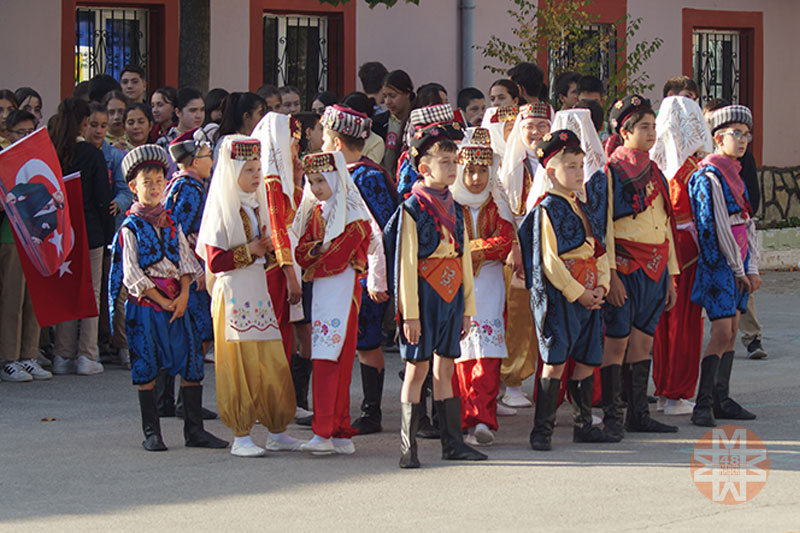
[(443, 274), (634, 255), (584, 271)]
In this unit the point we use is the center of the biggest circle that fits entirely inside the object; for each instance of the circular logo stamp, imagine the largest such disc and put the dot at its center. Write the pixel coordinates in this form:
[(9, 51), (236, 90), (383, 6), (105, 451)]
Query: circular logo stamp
[(730, 465)]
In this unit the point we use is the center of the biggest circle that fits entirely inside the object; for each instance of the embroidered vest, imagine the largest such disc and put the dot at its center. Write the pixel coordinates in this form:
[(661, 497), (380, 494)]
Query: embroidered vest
[(427, 234), (152, 247)]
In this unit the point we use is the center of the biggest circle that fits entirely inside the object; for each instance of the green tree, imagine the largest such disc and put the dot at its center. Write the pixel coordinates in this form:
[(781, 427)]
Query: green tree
[(574, 41)]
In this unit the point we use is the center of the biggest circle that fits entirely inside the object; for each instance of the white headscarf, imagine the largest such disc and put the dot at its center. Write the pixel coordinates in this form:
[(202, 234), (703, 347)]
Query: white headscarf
[(222, 226), (274, 132), (463, 196), (579, 122), (681, 131), (512, 171), (345, 204), (495, 126)]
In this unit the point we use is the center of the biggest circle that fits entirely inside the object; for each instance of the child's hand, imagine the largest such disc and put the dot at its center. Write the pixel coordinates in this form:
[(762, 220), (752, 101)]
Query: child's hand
[(294, 290), (412, 330), (270, 246), (378, 297), (672, 294), (179, 308), (514, 261), (466, 324), (616, 294), (258, 247), (755, 282), (743, 284), (589, 300), (599, 294)]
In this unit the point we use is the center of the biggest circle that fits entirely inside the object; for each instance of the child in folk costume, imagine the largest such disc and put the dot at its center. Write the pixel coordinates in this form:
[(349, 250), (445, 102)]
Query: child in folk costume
[(566, 266), (519, 167), (346, 130), (426, 240), (337, 235), (682, 138), (490, 225), (728, 262), (152, 258), (280, 141), (253, 378), (643, 261)]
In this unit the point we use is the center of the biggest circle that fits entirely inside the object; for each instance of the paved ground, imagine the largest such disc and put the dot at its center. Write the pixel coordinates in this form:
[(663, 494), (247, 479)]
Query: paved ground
[(86, 469)]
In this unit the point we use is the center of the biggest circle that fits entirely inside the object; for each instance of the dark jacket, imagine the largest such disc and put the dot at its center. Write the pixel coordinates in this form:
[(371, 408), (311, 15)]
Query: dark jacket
[(750, 177), (90, 163)]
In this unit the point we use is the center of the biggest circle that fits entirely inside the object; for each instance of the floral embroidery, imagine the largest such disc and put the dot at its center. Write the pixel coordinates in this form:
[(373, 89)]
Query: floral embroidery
[(327, 333), (251, 315), (489, 332)]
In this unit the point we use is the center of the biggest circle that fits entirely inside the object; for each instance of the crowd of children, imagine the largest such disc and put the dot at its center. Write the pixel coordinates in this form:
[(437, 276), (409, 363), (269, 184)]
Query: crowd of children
[(492, 243)]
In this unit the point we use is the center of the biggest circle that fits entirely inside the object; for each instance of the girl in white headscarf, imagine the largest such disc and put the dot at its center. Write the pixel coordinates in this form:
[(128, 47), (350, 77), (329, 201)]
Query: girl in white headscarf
[(490, 225), (499, 121), (338, 239), (682, 140), (252, 373)]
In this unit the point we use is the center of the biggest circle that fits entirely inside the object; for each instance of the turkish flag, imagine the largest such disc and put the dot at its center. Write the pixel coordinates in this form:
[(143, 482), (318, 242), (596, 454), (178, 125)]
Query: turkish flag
[(46, 214)]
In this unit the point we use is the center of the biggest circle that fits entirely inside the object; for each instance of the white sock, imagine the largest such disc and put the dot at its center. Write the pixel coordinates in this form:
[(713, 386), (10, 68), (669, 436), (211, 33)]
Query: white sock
[(316, 439), (245, 441), (481, 426), (281, 437), (672, 402), (340, 442)]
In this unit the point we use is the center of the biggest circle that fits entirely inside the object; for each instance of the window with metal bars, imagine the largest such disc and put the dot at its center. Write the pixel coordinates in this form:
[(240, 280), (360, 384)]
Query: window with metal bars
[(717, 57), (296, 53), (602, 62), (108, 38)]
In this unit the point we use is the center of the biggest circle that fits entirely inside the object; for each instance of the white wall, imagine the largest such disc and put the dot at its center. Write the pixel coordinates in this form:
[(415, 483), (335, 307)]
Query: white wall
[(30, 37), (229, 61)]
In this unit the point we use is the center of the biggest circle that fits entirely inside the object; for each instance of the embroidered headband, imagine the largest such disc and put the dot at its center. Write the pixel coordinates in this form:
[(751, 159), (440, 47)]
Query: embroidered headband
[(537, 110), (318, 163), (246, 150)]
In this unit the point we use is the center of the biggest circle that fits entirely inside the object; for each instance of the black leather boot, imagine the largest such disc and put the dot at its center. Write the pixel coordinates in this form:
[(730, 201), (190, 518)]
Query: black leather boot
[(611, 385), (453, 447), (409, 420), (165, 392), (194, 433), (583, 430), (372, 385), (301, 373), (427, 429), (544, 417), (725, 408), (702, 414), (150, 423), (638, 419)]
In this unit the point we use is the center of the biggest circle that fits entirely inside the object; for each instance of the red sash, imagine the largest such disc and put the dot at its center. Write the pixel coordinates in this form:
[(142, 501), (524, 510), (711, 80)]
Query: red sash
[(634, 255), (584, 271), (169, 288), (443, 274)]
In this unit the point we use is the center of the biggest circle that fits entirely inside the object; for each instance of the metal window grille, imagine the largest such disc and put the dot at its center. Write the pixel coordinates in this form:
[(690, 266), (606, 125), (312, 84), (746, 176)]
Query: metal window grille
[(107, 39), (296, 53), (717, 64), (603, 59)]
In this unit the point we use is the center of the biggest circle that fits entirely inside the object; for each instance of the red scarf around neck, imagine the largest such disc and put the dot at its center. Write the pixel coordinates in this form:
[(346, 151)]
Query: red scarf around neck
[(439, 203), (731, 172)]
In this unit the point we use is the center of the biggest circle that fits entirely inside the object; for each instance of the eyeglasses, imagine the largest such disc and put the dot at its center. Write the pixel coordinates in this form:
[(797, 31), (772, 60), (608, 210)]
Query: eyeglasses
[(739, 135), (202, 156), (22, 133)]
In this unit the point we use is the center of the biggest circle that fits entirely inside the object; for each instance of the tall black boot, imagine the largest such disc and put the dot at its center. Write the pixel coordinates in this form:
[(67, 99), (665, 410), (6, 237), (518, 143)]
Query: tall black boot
[(150, 423), (194, 433), (301, 373), (165, 392), (702, 414), (206, 413), (453, 447), (583, 430), (611, 385), (725, 407), (428, 427), (639, 420), (544, 417), (372, 385), (409, 421)]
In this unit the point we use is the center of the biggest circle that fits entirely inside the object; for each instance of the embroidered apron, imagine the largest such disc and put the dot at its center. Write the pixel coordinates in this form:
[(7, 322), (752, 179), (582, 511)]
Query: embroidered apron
[(330, 310), (487, 332), (249, 315)]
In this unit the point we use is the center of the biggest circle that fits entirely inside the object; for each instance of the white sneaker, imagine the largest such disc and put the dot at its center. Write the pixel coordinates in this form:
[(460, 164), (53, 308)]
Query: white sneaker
[(661, 404), (281, 442), (124, 358), (484, 435), (344, 446), (319, 446), (515, 398), (504, 410), (62, 365), (245, 447), (596, 420), (14, 372), (87, 367), (31, 366), (678, 407), (302, 413)]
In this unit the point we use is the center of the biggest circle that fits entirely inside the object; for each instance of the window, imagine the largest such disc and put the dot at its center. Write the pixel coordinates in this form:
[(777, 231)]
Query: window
[(717, 64), (107, 39), (296, 53), (602, 60)]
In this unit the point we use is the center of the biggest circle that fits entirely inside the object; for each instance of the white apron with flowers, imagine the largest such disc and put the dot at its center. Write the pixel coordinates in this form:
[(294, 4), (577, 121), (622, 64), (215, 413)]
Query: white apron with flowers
[(330, 310), (487, 334), (249, 315)]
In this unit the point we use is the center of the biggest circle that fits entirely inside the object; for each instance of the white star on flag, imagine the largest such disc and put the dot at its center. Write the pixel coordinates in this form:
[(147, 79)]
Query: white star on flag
[(55, 240), (64, 269)]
